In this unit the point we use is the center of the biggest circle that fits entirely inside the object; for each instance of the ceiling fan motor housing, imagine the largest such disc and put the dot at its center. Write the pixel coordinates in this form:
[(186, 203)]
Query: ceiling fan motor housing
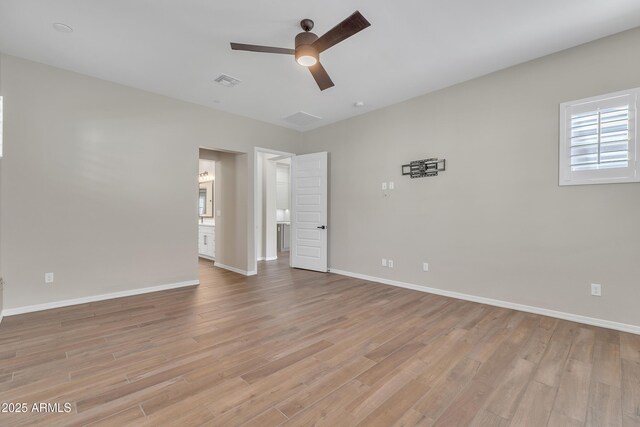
[(303, 45), (307, 24)]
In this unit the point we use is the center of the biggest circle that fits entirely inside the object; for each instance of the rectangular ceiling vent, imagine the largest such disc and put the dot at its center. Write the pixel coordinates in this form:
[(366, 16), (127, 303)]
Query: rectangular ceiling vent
[(227, 81), (302, 119)]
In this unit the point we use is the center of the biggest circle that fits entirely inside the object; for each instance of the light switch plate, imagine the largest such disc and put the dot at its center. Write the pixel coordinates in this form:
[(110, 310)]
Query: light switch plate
[(384, 186)]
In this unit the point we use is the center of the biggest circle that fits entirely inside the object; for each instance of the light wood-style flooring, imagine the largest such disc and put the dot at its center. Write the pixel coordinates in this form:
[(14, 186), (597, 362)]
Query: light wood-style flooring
[(292, 347)]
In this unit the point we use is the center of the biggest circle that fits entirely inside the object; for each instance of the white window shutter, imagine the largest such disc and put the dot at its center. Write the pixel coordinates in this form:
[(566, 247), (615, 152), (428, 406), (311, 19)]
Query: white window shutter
[(598, 139)]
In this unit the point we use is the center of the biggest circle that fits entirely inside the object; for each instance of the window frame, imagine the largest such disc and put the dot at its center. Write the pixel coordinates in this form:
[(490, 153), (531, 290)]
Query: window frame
[(631, 173)]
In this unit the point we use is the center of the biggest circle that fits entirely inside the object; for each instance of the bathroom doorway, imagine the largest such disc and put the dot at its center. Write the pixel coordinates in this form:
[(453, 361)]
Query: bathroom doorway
[(206, 209)]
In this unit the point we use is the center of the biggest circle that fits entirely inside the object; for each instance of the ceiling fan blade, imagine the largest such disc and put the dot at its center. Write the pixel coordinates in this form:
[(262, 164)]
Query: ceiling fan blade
[(321, 77), (265, 49), (350, 26)]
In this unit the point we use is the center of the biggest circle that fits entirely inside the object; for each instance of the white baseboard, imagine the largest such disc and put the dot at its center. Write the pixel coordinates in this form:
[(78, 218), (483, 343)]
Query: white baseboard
[(94, 298), (634, 329), (236, 270), (272, 258)]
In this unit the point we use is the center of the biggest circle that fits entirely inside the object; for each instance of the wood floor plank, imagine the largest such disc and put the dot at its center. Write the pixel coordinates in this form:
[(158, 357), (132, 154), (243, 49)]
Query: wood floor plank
[(389, 364), (271, 417), (285, 361), (433, 404), (238, 408), (472, 400), (489, 419), (413, 418), (193, 410), (573, 392), (379, 392), (630, 346), (605, 406), (630, 392), (394, 408), (607, 363), (324, 386), (583, 343), (296, 347), (129, 416), (558, 419), (505, 398), (552, 363), (537, 344), (329, 410), (535, 405), (466, 406)]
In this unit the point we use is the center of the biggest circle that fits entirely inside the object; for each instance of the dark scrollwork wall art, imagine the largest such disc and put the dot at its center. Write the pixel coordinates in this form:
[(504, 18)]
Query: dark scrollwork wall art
[(424, 168)]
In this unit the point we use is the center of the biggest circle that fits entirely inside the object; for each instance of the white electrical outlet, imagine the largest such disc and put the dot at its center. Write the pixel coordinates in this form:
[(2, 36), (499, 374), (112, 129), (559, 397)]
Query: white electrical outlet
[(384, 262), (390, 263), (425, 266), (391, 185), (48, 278), (384, 186), (596, 290)]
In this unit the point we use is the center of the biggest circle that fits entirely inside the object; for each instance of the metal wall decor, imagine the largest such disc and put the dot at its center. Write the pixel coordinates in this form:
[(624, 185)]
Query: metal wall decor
[(423, 168)]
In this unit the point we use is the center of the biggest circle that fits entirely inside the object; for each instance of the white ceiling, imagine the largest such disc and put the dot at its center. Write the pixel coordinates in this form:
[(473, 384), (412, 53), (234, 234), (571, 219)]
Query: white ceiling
[(177, 47)]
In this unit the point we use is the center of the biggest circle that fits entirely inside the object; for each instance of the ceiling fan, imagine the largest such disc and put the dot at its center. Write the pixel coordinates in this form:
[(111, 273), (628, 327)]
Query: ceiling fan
[(309, 46)]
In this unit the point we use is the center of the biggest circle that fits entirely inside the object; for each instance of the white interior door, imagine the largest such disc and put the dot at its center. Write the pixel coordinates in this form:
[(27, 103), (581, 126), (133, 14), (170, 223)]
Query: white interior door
[(309, 211)]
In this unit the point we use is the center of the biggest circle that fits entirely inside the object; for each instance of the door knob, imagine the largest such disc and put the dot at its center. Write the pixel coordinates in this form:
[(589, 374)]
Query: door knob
[(322, 227)]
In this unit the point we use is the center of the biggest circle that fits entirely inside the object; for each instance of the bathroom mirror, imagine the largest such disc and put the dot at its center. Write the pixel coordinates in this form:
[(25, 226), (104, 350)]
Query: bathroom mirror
[(205, 200)]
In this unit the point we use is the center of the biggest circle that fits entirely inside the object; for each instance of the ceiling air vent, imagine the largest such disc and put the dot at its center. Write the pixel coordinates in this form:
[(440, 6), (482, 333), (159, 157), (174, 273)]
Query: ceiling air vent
[(302, 119), (227, 81)]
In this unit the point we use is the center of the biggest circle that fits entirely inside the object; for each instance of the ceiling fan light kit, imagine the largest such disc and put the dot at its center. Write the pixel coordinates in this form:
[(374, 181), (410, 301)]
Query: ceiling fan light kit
[(306, 55), (308, 45)]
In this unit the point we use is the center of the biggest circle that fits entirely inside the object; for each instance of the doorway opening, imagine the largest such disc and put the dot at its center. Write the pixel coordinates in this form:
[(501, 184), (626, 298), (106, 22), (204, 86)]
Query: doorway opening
[(304, 214), (206, 209), (223, 218), (272, 205)]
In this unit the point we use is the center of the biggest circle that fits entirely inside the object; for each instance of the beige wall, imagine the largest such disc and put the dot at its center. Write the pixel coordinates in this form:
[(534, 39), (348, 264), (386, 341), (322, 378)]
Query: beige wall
[(99, 183), (231, 226), (495, 224), (115, 171), (1, 284)]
